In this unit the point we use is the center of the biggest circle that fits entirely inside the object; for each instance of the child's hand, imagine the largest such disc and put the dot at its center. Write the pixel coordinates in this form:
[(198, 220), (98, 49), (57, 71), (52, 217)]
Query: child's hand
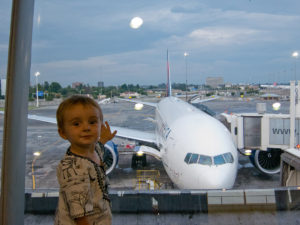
[(106, 134)]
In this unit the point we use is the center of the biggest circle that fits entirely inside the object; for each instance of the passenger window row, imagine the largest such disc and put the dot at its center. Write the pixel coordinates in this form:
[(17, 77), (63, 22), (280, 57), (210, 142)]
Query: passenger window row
[(192, 158)]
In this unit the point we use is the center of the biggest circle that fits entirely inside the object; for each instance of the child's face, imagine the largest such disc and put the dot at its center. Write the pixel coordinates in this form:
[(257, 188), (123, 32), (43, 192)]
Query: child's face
[(81, 126)]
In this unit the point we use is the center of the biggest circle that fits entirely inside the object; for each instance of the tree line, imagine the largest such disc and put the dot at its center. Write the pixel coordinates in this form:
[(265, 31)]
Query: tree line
[(55, 90)]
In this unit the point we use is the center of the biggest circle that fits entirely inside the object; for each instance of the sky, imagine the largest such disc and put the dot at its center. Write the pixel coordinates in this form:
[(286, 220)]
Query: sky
[(243, 41)]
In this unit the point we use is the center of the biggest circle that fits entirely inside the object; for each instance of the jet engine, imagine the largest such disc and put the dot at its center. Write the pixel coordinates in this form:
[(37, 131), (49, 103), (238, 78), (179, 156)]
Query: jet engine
[(267, 162), (110, 156)]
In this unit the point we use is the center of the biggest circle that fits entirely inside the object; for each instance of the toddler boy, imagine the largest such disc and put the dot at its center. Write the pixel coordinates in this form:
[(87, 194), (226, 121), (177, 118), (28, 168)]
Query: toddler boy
[(83, 194)]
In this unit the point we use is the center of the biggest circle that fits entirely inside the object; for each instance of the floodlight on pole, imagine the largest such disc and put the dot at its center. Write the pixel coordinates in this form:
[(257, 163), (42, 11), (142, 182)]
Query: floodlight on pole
[(185, 57), (295, 55), (37, 90)]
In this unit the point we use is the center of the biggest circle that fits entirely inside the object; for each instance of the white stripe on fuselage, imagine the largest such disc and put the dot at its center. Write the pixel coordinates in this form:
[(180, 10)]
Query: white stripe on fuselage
[(181, 129)]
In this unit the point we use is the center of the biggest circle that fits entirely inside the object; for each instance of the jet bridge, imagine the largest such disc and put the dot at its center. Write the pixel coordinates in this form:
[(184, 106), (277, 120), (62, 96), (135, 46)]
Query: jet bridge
[(264, 131), (261, 131), (265, 136), (262, 136)]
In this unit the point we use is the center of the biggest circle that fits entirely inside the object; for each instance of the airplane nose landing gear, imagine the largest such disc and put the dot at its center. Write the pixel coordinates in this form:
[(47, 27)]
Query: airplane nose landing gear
[(138, 161)]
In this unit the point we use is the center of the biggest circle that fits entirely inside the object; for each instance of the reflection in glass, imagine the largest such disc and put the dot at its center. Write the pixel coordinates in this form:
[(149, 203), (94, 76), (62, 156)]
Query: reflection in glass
[(228, 157), (219, 160), (187, 158), (194, 158), (205, 160)]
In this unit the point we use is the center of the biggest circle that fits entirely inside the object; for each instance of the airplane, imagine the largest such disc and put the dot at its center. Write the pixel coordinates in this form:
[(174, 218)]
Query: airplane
[(196, 149), (104, 101)]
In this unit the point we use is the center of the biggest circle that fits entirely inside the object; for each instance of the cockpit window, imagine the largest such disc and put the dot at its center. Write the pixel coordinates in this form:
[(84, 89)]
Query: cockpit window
[(194, 158), (205, 160), (187, 158), (228, 157), (219, 160)]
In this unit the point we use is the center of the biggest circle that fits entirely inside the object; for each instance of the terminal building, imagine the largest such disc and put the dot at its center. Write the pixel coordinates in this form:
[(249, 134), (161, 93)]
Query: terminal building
[(100, 84), (214, 82)]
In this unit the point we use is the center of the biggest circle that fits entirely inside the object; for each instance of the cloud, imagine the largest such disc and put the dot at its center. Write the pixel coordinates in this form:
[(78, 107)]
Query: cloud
[(215, 39), (76, 41), (222, 35), (188, 9), (113, 69), (265, 20)]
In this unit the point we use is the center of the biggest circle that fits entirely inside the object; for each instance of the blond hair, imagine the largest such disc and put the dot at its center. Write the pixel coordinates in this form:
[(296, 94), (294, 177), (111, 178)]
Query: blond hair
[(74, 100)]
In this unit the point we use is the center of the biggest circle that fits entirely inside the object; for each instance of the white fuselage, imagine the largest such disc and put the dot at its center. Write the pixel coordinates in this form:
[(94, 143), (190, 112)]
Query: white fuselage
[(183, 131)]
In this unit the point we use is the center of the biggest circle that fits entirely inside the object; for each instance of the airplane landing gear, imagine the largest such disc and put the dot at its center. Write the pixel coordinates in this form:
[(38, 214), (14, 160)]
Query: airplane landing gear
[(138, 161)]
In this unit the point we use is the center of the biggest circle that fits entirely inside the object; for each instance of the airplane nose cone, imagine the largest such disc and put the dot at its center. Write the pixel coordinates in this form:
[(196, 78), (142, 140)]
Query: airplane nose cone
[(214, 177), (220, 178)]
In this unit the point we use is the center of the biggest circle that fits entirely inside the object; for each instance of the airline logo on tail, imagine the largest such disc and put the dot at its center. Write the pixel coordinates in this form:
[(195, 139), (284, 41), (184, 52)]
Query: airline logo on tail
[(168, 88)]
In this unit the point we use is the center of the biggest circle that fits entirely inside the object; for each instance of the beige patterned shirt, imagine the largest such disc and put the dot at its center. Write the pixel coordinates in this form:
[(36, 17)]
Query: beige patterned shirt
[(83, 190)]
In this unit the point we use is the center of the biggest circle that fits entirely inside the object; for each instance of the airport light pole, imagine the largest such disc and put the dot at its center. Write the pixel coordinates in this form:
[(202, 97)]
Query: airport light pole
[(293, 103), (185, 57), (292, 113), (37, 89), (295, 55)]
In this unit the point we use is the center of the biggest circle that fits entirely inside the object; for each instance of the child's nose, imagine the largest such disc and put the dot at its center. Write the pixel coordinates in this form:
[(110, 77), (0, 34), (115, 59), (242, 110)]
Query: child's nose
[(86, 126)]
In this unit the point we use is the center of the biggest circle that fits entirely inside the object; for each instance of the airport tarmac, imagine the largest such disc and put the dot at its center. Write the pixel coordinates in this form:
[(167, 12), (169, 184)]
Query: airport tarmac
[(42, 137)]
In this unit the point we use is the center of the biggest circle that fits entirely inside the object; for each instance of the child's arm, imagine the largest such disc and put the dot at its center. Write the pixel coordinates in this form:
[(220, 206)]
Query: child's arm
[(106, 134)]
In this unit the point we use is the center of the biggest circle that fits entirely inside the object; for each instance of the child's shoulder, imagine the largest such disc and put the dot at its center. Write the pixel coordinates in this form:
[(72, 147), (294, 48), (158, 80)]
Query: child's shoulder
[(73, 169), (74, 162)]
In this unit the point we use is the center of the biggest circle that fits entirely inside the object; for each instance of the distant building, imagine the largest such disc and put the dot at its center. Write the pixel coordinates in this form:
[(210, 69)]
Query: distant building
[(100, 84), (149, 92), (228, 85), (3, 87), (76, 84), (270, 96), (214, 82), (130, 95), (100, 97), (282, 91)]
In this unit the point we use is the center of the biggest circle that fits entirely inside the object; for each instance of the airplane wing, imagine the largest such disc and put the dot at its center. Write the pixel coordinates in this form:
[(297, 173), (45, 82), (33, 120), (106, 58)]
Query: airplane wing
[(198, 100), (39, 118), (42, 118), (136, 135), (141, 136), (123, 132), (153, 104), (146, 138), (104, 101)]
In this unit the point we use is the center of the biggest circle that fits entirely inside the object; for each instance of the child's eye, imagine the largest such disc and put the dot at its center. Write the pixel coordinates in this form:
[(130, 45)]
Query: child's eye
[(93, 122), (76, 124)]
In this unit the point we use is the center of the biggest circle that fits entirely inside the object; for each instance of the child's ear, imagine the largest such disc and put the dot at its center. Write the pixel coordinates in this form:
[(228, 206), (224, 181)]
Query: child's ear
[(62, 134)]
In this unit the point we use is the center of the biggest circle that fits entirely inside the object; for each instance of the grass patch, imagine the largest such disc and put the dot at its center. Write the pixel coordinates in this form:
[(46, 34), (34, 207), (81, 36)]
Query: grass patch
[(29, 108)]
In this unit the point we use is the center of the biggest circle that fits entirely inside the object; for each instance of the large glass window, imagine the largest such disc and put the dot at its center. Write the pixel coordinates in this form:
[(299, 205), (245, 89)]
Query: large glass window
[(245, 52), (5, 17)]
